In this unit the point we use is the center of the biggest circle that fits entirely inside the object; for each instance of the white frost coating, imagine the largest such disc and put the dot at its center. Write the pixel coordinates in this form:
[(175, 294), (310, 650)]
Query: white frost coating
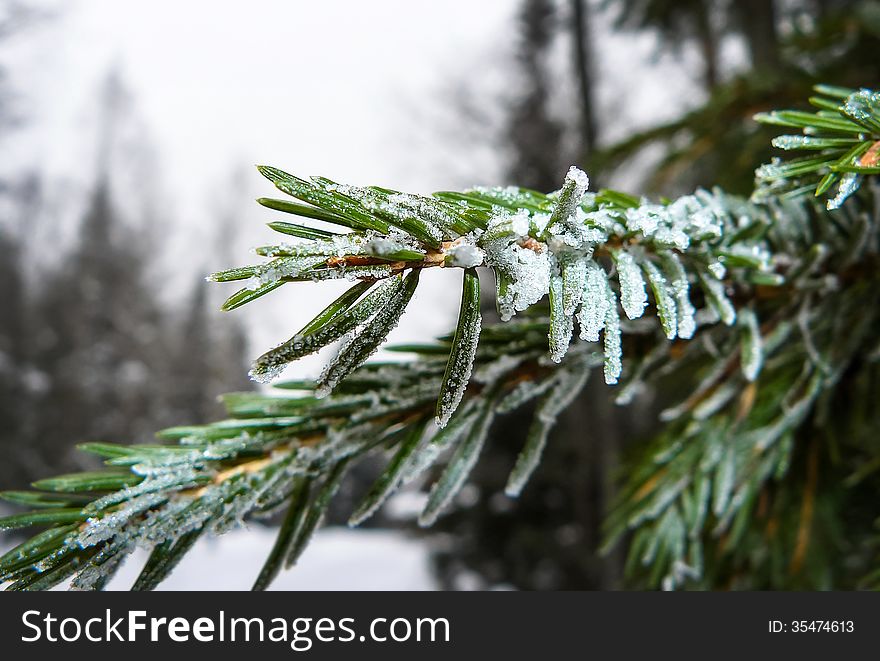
[(101, 567), (788, 142), (284, 267), (664, 298), (268, 366), (613, 349), (849, 183), (606, 220), (528, 272), (698, 216), (561, 324), (574, 275), (352, 273), (752, 345), (571, 382), (356, 348), (680, 290), (573, 189), (414, 209), (503, 223), (435, 218), (381, 246), (106, 525), (770, 171), (717, 269), (718, 297), (465, 255), (520, 222), (645, 219), (461, 360), (428, 453), (564, 217), (580, 179), (594, 308), (157, 481), (424, 212), (457, 470), (633, 296)]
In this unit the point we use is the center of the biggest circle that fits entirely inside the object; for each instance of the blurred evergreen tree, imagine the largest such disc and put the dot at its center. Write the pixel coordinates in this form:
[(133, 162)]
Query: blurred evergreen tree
[(791, 47), (88, 350), (18, 198)]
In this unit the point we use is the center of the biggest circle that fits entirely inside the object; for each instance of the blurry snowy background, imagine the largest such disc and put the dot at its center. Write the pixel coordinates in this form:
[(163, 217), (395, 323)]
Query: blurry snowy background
[(128, 132)]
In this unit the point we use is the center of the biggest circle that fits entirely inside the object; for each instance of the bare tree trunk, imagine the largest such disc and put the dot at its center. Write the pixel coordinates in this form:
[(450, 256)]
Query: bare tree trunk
[(533, 133), (589, 426), (758, 19), (583, 64), (708, 46)]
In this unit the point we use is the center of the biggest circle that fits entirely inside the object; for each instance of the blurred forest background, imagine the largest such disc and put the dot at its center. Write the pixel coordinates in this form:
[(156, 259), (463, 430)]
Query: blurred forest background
[(92, 348), (87, 348)]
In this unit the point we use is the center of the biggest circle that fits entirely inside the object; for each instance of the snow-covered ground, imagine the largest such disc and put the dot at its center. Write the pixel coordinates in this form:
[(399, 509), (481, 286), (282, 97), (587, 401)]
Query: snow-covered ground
[(336, 559)]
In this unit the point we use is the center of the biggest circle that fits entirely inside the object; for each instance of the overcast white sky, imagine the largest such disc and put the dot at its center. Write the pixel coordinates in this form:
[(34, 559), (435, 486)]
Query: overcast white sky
[(317, 86)]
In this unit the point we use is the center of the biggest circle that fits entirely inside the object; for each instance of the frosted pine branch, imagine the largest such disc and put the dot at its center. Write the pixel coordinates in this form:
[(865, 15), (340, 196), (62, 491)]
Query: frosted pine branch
[(779, 295)]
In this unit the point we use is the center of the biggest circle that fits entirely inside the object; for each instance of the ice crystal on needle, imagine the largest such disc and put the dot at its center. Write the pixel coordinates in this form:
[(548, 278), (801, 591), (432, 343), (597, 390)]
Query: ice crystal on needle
[(752, 346), (633, 296), (538, 246), (664, 297), (574, 276), (464, 350), (849, 184), (561, 324), (520, 222), (465, 255), (697, 216), (526, 271), (596, 302), (283, 267), (573, 189), (613, 349), (680, 288), (565, 218)]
